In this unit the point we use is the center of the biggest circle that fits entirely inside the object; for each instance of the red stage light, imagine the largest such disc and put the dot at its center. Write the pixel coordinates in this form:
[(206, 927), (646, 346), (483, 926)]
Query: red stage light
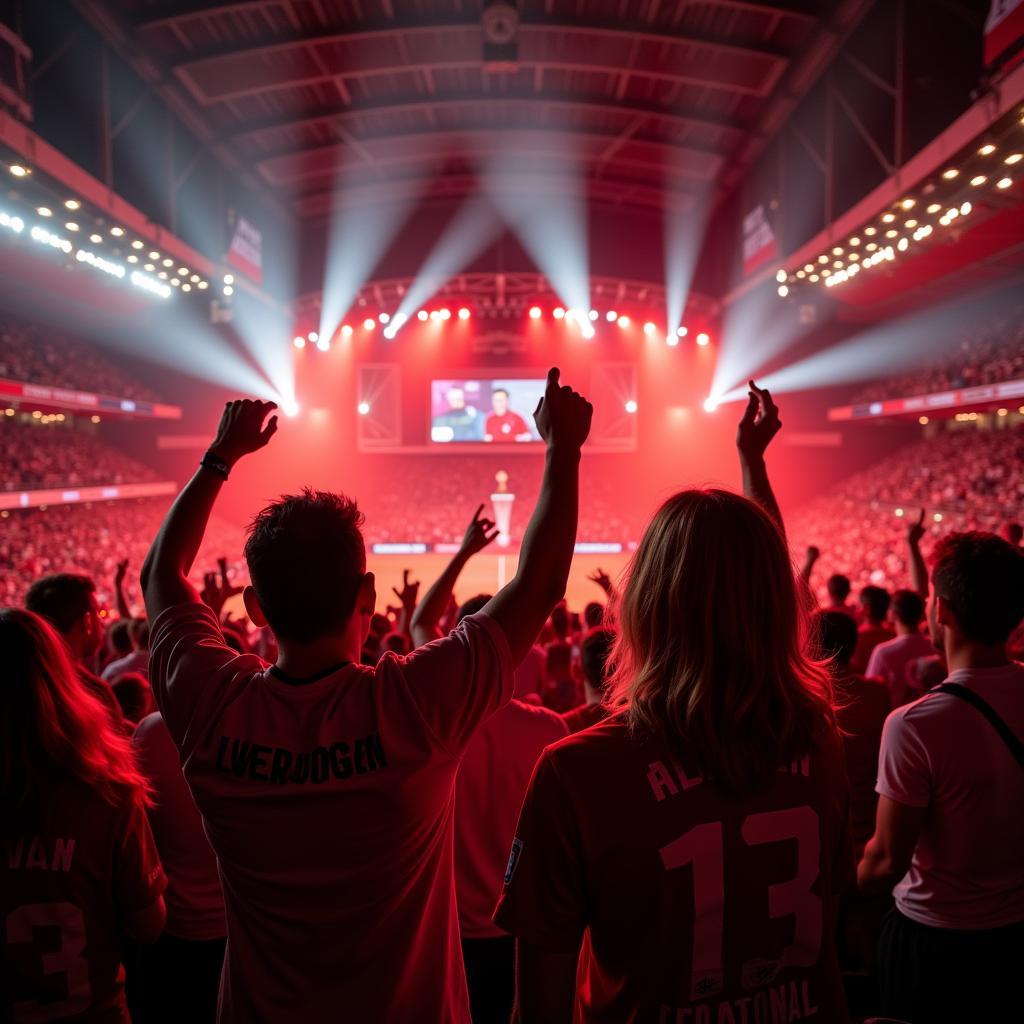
[(445, 314), (535, 312), (422, 315), (299, 341), (463, 313), (369, 323), (703, 339)]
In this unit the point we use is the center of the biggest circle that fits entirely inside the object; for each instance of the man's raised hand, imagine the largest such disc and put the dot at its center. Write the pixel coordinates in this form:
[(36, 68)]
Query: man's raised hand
[(916, 529), (562, 416), (479, 533), (760, 423), (409, 593), (602, 579), (242, 429)]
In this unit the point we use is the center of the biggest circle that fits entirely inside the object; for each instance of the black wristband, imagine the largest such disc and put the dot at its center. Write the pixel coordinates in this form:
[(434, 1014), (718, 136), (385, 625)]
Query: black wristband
[(216, 464)]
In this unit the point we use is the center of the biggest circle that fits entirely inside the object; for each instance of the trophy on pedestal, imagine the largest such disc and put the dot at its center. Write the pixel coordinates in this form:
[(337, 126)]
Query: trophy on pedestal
[(502, 501)]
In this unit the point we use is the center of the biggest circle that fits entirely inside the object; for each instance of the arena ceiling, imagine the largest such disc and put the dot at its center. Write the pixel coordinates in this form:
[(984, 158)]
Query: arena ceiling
[(663, 100)]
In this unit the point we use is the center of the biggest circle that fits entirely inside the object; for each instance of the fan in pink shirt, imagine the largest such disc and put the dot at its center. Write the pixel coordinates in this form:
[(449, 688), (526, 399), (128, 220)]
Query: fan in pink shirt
[(327, 787), (890, 661), (492, 782), (949, 835)]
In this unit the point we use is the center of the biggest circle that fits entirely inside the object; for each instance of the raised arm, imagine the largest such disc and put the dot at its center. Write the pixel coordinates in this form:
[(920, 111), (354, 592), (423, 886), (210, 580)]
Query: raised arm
[(760, 423), (521, 608), (918, 570), (604, 581), (426, 620), (167, 565), (407, 597), (122, 602), (810, 560)]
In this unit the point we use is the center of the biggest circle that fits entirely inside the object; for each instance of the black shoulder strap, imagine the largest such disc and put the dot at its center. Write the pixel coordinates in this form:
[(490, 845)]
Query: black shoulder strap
[(956, 690)]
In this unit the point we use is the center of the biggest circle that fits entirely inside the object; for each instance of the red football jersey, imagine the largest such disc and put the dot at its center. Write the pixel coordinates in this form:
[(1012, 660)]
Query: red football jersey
[(329, 804), (506, 427), (65, 889), (687, 905), (495, 772)]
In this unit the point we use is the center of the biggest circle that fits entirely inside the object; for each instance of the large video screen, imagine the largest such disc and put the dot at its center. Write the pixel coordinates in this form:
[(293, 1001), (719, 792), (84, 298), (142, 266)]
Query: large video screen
[(498, 411)]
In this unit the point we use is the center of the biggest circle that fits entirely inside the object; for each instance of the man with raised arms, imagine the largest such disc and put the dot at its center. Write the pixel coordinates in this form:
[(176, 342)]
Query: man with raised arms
[(327, 787)]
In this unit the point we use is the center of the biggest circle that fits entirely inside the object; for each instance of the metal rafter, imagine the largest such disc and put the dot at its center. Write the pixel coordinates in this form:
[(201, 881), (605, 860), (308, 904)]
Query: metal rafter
[(607, 191), (483, 139), (273, 44), (418, 103), (176, 12), (465, 64)]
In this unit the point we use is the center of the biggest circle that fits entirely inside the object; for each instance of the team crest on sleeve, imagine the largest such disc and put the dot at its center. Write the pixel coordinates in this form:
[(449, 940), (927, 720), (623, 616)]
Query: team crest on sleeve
[(513, 859)]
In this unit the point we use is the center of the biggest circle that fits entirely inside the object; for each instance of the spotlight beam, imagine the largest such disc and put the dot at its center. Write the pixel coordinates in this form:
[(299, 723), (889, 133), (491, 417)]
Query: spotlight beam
[(683, 239), (358, 237), (550, 222), (475, 226), (893, 347)]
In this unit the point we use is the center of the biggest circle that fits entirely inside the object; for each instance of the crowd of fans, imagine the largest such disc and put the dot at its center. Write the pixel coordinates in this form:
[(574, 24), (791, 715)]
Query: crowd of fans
[(339, 788), (967, 479), (38, 354), (38, 456), (440, 488), (91, 539), (992, 352)]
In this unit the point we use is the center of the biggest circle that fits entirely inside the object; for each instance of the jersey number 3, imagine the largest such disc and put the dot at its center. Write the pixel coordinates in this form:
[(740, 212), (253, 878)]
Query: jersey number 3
[(701, 847), (68, 960)]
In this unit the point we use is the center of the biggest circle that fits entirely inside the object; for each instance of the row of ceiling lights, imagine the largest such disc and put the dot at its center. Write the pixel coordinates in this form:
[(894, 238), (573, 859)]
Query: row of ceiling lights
[(183, 277), (899, 227)]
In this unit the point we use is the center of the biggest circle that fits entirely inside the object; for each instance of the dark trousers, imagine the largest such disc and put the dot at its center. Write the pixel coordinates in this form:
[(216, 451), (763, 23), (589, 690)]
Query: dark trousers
[(179, 980), (933, 975), (490, 976)]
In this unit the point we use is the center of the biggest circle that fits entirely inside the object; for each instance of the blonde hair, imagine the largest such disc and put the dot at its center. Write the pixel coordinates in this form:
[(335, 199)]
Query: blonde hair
[(710, 654)]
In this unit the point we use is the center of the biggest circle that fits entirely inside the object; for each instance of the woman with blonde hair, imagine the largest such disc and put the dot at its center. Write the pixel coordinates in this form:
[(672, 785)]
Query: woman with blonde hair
[(680, 861), (78, 866)]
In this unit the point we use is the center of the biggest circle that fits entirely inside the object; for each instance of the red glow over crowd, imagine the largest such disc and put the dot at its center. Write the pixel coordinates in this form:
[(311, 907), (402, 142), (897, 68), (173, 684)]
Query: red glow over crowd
[(796, 704)]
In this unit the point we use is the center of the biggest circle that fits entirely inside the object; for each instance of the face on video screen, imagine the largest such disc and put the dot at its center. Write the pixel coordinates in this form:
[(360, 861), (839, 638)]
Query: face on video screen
[(484, 411)]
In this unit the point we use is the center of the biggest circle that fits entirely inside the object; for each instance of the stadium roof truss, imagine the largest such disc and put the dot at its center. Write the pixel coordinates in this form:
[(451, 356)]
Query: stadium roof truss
[(663, 100)]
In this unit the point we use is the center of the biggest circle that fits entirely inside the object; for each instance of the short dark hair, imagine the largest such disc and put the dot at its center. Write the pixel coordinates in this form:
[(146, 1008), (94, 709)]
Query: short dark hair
[(120, 639), (876, 601), (835, 636), (133, 694), (306, 559), (595, 652), (593, 614), (62, 599), (981, 577), (396, 643), (838, 587), (472, 606), (139, 631), (908, 608), (560, 620), (500, 391)]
